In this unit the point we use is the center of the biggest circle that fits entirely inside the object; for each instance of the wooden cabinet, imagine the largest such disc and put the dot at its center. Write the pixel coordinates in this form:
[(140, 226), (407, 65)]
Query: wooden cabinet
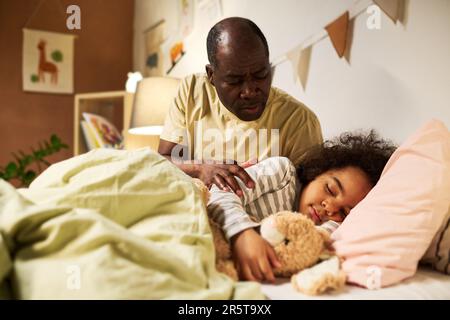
[(116, 106)]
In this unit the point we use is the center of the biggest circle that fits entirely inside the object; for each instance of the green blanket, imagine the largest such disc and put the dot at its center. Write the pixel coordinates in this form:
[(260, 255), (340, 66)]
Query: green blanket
[(110, 224)]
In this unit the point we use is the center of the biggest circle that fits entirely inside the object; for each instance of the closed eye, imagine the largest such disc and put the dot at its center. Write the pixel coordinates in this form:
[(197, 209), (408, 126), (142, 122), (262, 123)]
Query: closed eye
[(328, 189), (262, 75), (233, 81)]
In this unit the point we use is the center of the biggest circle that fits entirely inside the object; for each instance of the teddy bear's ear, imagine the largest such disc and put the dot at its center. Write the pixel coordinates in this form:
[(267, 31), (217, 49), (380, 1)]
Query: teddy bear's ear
[(269, 231)]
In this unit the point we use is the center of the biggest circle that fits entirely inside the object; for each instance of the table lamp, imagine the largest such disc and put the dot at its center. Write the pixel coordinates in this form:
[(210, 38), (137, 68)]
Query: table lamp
[(153, 97)]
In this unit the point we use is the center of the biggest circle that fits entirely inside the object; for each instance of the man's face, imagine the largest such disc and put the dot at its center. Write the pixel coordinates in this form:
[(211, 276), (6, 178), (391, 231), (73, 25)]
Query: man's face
[(242, 78)]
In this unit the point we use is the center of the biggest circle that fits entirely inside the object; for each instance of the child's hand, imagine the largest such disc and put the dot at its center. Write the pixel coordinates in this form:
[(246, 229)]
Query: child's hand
[(254, 257)]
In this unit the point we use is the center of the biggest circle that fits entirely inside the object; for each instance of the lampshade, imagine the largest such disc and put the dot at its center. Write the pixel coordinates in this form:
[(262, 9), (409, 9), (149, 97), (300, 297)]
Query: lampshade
[(152, 100)]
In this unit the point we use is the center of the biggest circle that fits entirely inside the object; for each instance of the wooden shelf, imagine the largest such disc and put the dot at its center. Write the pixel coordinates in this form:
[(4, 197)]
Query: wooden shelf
[(116, 106)]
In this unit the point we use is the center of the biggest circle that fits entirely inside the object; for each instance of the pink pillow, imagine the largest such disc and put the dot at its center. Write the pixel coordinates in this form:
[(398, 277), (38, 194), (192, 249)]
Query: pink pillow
[(386, 234)]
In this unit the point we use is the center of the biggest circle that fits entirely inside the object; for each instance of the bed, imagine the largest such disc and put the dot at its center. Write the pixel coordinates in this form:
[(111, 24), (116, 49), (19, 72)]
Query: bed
[(114, 224), (426, 284)]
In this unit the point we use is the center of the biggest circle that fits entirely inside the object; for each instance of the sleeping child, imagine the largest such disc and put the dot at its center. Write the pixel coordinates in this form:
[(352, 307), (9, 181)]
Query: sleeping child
[(332, 179)]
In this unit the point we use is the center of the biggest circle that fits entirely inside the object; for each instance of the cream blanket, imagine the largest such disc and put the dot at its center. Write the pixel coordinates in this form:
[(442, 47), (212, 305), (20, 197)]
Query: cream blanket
[(110, 224)]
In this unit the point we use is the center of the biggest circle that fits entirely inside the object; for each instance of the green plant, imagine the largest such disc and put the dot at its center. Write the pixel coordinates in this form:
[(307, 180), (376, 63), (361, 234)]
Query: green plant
[(19, 169)]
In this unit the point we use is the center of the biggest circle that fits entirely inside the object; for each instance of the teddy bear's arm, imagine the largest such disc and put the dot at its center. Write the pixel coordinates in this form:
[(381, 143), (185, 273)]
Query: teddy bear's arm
[(324, 276)]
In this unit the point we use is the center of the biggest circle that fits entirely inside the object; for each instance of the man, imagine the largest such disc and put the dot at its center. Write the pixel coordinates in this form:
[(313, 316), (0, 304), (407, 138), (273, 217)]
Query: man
[(236, 110), (234, 116)]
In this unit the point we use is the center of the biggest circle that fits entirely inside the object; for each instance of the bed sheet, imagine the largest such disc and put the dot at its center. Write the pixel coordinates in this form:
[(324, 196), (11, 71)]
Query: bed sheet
[(110, 224), (426, 284)]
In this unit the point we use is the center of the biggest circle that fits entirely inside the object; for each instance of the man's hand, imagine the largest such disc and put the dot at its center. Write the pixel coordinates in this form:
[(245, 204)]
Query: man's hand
[(223, 176), (254, 257)]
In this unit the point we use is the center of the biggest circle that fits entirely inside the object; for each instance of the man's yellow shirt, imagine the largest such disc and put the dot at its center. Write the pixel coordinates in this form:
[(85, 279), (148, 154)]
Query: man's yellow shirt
[(197, 119)]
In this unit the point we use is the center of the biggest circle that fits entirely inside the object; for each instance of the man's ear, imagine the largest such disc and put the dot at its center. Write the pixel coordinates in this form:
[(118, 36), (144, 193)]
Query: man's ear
[(272, 72), (210, 72)]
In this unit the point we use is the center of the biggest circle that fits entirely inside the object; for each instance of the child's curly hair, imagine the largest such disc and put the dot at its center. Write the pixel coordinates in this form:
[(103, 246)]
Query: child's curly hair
[(366, 151)]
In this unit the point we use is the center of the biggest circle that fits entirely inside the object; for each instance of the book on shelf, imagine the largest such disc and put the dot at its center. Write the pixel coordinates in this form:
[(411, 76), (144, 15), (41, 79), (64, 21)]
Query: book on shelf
[(89, 137), (99, 132)]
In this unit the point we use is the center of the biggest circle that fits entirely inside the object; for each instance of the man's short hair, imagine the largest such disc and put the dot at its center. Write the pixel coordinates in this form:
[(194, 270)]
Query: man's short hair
[(213, 39)]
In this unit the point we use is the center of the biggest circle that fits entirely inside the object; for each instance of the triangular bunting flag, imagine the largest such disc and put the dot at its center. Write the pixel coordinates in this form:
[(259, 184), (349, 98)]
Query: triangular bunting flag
[(390, 7), (300, 59), (337, 30), (350, 32)]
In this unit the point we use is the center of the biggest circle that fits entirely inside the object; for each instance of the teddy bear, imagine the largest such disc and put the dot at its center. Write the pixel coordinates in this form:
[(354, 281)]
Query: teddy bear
[(304, 252), (302, 248)]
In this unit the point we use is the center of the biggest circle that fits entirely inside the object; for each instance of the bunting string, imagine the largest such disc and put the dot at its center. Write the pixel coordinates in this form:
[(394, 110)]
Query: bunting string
[(358, 8), (340, 33)]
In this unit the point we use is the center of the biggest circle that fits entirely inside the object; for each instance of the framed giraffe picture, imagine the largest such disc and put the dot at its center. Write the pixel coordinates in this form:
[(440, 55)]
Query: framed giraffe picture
[(47, 64)]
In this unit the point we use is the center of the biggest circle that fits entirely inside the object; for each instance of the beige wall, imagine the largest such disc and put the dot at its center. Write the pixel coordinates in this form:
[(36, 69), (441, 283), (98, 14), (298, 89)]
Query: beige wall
[(398, 76), (103, 56)]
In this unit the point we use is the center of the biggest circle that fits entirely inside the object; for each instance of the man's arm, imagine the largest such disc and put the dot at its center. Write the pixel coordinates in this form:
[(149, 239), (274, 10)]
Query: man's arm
[(165, 149), (222, 175)]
